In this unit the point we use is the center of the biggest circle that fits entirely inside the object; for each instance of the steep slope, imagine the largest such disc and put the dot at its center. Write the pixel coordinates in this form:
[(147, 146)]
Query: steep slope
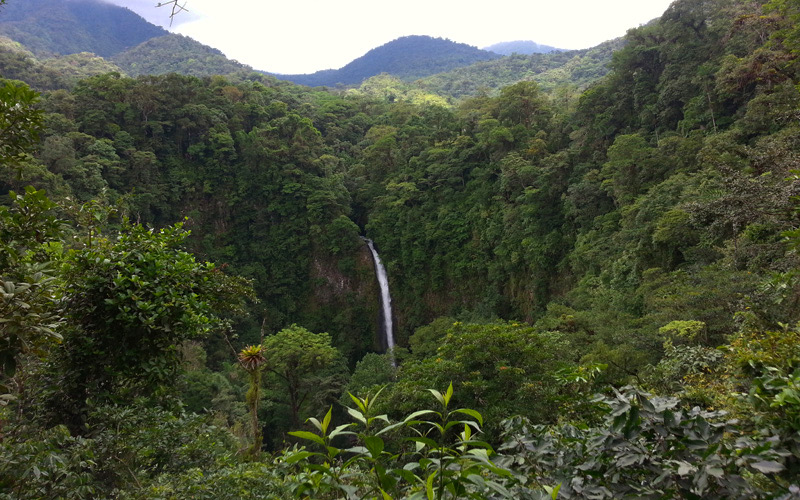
[(173, 53), (18, 63), (67, 27), (524, 47), (407, 58), (577, 67)]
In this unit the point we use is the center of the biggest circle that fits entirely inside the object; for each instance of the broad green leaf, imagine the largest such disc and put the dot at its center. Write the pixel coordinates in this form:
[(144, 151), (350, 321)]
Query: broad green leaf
[(316, 423), (479, 444), (438, 396), (341, 430), (407, 475), (426, 441), (358, 402), (416, 414), (429, 485), (472, 413), (499, 489), (453, 423), (357, 415), (375, 445), (308, 435), (685, 468), (768, 466), (383, 417), (553, 490), (296, 457), (389, 428), (327, 420)]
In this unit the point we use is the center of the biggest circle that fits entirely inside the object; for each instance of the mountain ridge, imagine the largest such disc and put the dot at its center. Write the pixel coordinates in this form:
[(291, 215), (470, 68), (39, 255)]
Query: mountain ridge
[(408, 58), (48, 27), (525, 47), (447, 68)]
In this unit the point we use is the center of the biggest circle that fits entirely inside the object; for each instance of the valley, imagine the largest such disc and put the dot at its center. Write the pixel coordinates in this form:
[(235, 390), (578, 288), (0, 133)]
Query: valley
[(591, 257)]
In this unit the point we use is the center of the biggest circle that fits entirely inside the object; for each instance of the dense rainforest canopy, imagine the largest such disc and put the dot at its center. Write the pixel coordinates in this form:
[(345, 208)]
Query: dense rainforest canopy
[(595, 291)]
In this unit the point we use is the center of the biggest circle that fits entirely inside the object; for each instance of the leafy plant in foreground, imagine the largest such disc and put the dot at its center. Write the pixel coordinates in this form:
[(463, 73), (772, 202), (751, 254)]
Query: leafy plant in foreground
[(648, 448), (441, 458)]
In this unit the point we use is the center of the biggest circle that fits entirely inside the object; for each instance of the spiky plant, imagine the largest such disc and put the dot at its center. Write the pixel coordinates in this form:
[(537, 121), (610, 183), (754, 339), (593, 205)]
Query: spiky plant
[(252, 358)]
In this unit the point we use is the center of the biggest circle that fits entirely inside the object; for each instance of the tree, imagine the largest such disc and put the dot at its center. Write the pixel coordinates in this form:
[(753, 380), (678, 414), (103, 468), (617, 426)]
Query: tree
[(132, 299), (298, 357), (29, 289), (499, 369), (20, 121)]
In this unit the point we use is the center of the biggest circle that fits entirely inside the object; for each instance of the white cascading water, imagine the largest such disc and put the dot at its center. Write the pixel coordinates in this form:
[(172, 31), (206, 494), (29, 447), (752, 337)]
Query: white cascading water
[(386, 299)]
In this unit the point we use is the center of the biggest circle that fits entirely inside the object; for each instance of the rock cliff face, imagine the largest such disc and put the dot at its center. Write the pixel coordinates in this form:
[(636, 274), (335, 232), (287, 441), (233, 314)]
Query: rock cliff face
[(345, 297)]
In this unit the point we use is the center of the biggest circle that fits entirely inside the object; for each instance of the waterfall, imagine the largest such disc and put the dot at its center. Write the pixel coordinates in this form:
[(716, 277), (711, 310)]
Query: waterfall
[(386, 299)]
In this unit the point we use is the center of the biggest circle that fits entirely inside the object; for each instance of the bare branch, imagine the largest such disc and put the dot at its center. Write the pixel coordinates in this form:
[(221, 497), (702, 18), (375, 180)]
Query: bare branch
[(176, 8)]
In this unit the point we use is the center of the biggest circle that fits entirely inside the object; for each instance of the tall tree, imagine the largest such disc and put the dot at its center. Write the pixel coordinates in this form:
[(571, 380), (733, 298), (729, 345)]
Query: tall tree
[(299, 359)]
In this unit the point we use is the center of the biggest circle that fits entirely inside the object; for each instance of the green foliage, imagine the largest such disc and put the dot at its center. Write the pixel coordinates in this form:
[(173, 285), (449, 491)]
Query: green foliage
[(576, 68), (498, 368), (646, 226), (439, 458), (48, 26), (50, 465), (30, 310), (173, 53), (305, 365), (373, 370), (131, 299), (134, 444), (20, 121), (648, 448)]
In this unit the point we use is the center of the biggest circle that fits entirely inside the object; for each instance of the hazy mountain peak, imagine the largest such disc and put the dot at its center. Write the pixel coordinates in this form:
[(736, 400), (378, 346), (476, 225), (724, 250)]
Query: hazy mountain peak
[(408, 58), (525, 47)]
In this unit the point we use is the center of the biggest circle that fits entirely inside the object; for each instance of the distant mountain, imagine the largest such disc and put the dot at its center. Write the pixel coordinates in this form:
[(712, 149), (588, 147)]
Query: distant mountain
[(524, 47), (176, 54), (72, 26), (576, 67), (126, 42), (60, 72), (407, 58)]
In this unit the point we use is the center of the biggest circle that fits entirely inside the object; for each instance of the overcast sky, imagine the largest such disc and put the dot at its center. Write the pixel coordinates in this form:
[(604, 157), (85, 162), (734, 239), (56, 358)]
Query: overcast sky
[(303, 36)]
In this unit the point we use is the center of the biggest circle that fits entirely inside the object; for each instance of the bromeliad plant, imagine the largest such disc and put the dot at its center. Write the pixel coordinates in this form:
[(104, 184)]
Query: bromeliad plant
[(440, 458), (252, 359)]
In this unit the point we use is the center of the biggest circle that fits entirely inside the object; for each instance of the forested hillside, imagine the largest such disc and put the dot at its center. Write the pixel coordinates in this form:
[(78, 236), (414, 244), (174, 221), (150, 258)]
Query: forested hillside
[(173, 53), (407, 58), (595, 291), (575, 68), (67, 27), (50, 73)]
